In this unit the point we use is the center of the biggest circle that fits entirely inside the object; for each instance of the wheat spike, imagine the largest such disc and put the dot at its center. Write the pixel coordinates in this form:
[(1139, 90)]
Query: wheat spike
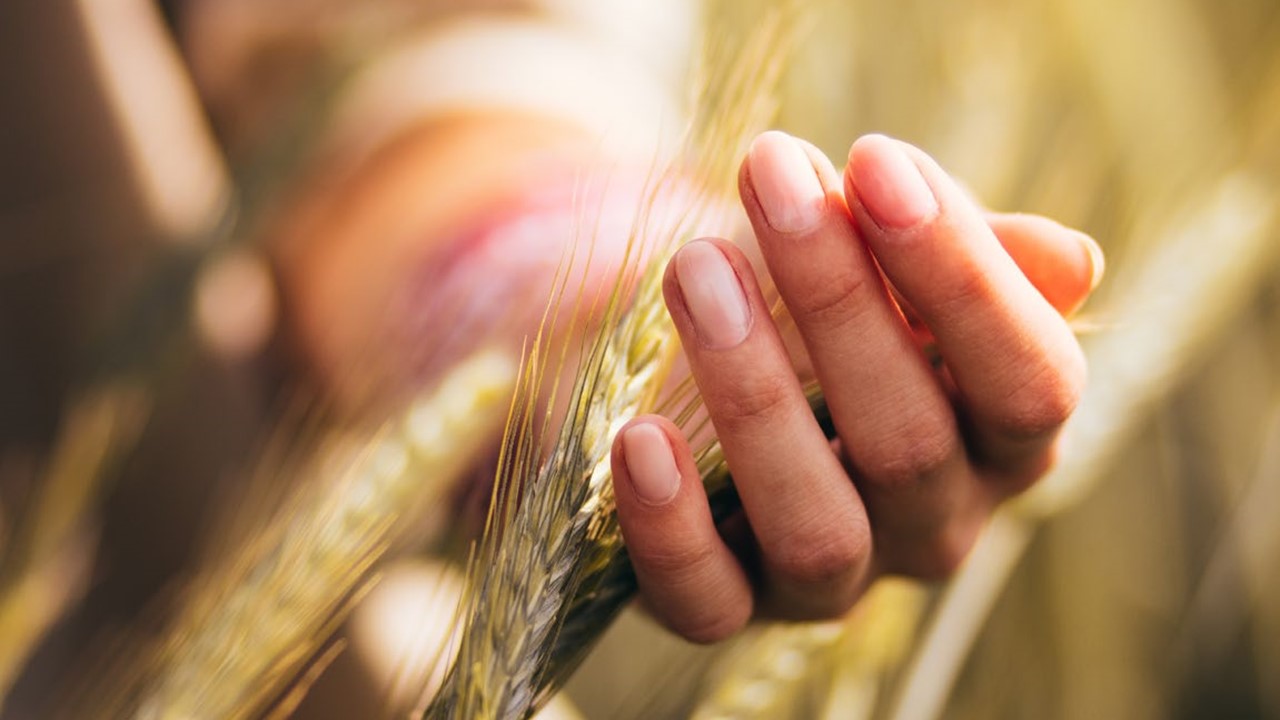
[(550, 573)]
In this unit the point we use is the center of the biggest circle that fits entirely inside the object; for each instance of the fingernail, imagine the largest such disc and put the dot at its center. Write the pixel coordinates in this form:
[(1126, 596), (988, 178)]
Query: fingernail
[(1097, 261), (713, 294), (889, 184), (651, 463), (785, 183)]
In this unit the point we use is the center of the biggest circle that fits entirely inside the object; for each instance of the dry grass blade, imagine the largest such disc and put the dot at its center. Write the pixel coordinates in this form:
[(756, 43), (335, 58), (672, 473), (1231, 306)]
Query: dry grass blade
[(256, 620), (1244, 554), (549, 576), (42, 564)]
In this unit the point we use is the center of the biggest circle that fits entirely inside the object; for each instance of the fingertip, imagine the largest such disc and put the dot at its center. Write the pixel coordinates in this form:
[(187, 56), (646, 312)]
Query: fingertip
[(828, 176), (646, 458), (886, 180), (713, 294), (1097, 260), (1094, 266), (785, 184), (1064, 264), (870, 140)]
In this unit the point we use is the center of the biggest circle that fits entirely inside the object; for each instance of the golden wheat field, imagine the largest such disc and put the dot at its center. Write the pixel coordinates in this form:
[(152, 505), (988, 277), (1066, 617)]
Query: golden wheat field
[(239, 479)]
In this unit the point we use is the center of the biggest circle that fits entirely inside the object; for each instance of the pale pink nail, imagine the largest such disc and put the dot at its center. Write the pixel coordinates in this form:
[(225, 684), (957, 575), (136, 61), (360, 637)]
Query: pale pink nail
[(785, 183), (713, 295), (651, 463), (889, 184)]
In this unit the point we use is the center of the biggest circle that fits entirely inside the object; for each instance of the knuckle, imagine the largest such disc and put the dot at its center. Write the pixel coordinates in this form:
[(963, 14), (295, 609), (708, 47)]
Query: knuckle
[(1046, 400), (966, 291), (923, 449), (675, 562), (829, 559), (832, 303), (761, 400)]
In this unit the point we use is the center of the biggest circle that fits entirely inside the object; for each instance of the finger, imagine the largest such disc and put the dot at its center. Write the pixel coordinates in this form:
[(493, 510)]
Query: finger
[(1065, 265), (690, 579), (1015, 363), (895, 421), (805, 513)]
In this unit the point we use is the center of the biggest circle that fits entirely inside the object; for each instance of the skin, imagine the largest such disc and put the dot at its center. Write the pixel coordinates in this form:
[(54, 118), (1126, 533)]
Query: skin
[(871, 267)]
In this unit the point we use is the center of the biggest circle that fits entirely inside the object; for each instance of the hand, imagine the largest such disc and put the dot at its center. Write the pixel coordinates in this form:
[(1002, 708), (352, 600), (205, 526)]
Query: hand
[(899, 258)]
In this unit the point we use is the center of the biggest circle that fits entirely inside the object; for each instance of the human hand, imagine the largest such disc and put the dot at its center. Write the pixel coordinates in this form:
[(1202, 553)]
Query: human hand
[(899, 259)]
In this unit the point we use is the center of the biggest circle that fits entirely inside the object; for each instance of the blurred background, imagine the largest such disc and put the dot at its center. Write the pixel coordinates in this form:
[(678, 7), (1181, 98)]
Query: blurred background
[(173, 182)]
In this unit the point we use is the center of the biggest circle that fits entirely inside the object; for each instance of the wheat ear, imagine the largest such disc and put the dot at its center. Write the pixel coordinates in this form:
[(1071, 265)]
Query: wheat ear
[(549, 574)]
